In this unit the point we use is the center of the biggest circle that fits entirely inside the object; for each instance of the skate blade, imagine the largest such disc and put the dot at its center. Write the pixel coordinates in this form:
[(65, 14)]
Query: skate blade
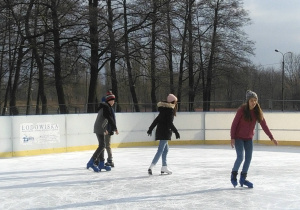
[(246, 187), (165, 173)]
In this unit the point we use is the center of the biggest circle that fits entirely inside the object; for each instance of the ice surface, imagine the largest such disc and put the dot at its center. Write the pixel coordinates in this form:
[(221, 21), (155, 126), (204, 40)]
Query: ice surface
[(200, 180)]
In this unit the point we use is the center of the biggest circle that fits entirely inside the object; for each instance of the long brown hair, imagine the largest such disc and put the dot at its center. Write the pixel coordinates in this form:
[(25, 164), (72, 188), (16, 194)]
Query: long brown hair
[(257, 110)]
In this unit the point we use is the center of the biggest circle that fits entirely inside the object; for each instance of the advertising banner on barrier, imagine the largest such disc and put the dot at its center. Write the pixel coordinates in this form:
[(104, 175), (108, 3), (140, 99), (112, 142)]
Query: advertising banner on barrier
[(39, 133)]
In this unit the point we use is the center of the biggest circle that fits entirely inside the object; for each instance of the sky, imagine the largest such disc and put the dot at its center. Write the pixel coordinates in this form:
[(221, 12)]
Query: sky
[(275, 25)]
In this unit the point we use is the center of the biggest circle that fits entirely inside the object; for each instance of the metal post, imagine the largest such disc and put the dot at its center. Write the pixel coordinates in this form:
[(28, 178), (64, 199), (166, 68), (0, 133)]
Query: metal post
[(282, 84), (282, 78), (86, 91)]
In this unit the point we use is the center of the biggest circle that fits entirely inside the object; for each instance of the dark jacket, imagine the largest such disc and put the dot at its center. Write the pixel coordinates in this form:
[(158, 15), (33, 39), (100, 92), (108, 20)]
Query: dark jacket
[(164, 121), (109, 127), (105, 116)]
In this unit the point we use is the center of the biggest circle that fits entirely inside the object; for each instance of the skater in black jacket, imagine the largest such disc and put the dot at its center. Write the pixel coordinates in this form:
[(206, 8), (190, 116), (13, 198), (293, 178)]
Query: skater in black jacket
[(105, 116), (164, 122), (107, 139)]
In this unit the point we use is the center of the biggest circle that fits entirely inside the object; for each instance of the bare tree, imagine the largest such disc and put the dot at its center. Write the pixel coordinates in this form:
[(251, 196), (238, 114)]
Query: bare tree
[(6, 48), (33, 43), (182, 54), (226, 43), (292, 78), (170, 45), (149, 47), (128, 63), (57, 58), (94, 43), (190, 55), (153, 56), (113, 50)]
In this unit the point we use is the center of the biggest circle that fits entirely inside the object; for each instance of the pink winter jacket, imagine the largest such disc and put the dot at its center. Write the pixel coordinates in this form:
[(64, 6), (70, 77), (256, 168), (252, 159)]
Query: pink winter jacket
[(241, 129)]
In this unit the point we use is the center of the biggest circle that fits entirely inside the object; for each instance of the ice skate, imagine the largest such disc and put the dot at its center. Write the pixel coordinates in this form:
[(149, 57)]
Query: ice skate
[(245, 182), (91, 164), (165, 170), (102, 166), (150, 169), (110, 163), (233, 178)]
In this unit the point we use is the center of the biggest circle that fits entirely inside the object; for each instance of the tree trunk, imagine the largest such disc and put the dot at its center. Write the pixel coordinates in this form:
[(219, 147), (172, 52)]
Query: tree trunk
[(29, 90), (153, 58), (113, 57), (94, 42), (57, 62), (7, 93), (170, 51), (32, 41), (191, 59), (13, 106), (8, 87), (127, 57), (181, 62), (1, 64), (207, 87)]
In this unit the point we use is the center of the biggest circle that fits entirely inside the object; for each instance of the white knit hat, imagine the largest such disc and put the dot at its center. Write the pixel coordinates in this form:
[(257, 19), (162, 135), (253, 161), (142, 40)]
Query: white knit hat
[(171, 98), (250, 94)]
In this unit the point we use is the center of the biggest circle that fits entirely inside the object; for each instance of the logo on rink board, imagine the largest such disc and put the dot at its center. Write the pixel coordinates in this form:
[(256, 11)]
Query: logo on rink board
[(39, 133)]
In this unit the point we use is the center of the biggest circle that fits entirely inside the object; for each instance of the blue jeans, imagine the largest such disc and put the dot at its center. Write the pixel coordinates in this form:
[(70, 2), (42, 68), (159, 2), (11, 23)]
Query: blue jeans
[(163, 149), (240, 146)]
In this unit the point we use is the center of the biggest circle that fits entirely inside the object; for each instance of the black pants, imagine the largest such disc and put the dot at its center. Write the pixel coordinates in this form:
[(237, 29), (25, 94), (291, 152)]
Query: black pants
[(99, 153)]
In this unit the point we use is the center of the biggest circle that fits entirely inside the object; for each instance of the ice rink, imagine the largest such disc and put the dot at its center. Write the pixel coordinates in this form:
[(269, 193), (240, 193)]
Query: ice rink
[(200, 180)]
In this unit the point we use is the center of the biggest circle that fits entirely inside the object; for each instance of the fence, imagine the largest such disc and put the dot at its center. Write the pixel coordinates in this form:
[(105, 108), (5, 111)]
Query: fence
[(37, 134)]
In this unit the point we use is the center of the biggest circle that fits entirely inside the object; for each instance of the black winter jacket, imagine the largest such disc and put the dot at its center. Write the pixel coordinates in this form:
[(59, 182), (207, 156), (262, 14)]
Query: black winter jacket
[(105, 116), (164, 121)]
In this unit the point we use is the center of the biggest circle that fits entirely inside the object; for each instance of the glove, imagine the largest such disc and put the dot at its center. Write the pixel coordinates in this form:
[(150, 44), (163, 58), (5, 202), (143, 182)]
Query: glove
[(177, 135), (149, 132)]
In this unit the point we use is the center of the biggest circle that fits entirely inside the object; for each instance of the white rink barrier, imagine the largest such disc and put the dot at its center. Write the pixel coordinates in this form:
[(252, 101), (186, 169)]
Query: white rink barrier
[(43, 134)]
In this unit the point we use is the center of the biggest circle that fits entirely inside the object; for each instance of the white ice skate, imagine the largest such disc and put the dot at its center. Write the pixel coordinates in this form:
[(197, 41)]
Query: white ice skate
[(165, 170), (150, 169)]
